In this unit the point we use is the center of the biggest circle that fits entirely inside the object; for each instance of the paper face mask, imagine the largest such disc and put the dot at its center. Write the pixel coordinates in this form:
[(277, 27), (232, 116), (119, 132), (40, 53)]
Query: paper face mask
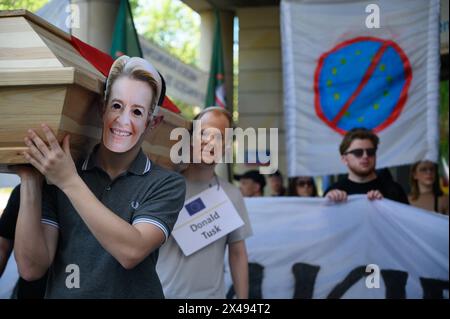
[(126, 115)]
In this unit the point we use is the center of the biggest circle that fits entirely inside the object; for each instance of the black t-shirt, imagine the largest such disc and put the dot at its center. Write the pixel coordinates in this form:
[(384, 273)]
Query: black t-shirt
[(25, 289), (9, 217), (386, 186)]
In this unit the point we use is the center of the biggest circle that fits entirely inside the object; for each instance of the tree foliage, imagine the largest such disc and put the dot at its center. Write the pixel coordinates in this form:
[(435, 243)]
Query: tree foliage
[(171, 25), (30, 5)]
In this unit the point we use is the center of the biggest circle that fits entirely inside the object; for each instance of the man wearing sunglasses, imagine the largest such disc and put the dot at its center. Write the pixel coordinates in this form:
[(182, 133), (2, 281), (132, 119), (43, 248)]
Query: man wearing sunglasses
[(358, 152)]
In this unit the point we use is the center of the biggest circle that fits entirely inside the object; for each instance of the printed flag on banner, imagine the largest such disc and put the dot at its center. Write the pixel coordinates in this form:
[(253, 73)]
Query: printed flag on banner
[(343, 70), (216, 83)]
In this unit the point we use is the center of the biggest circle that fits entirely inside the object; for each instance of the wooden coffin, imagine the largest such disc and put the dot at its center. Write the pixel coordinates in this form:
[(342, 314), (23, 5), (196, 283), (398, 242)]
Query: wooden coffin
[(43, 79)]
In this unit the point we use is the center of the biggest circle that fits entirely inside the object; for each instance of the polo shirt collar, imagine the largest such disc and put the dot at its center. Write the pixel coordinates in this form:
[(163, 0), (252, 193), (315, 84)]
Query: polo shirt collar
[(140, 165)]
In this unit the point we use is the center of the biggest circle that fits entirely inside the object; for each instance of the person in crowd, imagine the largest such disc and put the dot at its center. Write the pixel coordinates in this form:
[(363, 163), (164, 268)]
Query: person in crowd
[(251, 183), (100, 222), (303, 186), (425, 190), (358, 151), (24, 289), (276, 184), (201, 274)]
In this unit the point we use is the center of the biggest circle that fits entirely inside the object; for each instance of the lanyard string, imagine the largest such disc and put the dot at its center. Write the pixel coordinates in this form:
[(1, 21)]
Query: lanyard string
[(217, 181)]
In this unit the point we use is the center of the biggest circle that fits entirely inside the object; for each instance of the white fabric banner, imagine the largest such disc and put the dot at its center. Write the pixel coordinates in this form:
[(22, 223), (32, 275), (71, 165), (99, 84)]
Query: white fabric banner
[(311, 248), (372, 64)]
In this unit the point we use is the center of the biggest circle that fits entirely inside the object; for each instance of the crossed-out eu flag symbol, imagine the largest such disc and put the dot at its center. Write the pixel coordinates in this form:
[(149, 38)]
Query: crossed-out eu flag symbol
[(195, 206), (362, 82)]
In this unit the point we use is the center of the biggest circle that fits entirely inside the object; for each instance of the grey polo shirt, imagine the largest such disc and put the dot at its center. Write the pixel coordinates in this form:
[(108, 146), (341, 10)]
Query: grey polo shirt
[(201, 275), (145, 193)]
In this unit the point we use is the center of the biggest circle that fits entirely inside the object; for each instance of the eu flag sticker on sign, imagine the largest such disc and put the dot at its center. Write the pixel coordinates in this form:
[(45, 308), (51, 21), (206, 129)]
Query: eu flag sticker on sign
[(195, 206), (205, 218)]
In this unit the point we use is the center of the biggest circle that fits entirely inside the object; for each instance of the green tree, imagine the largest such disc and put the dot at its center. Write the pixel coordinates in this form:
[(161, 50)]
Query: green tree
[(30, 5), (171, 25), (187, 111)]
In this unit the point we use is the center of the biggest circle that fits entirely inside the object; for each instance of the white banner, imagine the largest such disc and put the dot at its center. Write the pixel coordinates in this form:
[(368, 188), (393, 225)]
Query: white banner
[(310, 248), (372, 64)]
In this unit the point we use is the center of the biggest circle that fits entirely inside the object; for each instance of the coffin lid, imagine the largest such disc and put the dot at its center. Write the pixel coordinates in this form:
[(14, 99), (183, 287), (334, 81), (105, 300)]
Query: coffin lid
[(35, 52)]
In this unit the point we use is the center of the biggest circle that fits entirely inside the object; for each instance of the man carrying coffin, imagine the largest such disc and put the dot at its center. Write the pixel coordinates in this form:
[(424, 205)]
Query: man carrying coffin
[(103, 219)]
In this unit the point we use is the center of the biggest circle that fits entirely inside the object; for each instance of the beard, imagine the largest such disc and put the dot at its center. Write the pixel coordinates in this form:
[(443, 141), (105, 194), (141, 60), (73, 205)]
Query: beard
[(362, 171)]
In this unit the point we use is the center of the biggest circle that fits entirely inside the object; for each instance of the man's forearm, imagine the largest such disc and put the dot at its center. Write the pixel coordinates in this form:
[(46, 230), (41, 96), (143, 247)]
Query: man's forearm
[(238, 262), (30, 248), (122, 240)]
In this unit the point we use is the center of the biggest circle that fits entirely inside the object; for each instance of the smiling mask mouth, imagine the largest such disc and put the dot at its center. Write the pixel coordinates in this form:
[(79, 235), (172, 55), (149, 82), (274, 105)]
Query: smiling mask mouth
[(119, 132)]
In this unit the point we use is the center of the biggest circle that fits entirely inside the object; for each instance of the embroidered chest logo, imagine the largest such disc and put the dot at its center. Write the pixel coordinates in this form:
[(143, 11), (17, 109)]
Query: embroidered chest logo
[(135, 204)]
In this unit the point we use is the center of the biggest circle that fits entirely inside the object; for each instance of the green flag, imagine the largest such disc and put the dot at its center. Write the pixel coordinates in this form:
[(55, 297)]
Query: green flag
[(125, 39), (216, 84)]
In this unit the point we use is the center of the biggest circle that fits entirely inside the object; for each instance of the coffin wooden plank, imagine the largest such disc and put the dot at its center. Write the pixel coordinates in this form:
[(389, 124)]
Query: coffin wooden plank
[(14, 127), (41, 76), (72, 127), (24, 49), (31, 101), (16, 25), (65, 51), (82, 106), (12, 155), (25, 53), (19, 33), (35, 19), (80, 147)]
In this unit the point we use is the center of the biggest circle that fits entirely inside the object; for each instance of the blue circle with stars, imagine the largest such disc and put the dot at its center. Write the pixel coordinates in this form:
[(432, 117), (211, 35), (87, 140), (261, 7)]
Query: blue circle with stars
[(362, 82)]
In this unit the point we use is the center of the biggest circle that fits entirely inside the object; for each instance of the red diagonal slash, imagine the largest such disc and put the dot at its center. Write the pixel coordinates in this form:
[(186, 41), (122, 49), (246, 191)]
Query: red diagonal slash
[(363, 82)]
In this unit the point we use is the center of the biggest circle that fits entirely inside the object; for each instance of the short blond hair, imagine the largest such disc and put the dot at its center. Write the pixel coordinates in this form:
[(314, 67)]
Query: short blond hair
[(138, 69)]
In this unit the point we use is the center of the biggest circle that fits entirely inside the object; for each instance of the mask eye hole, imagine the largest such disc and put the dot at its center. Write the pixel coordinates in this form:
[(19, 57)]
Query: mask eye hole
[(137, 112), (116, 106)]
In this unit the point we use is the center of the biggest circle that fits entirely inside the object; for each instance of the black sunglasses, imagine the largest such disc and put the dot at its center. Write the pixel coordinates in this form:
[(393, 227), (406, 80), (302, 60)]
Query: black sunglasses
[(359, 152)]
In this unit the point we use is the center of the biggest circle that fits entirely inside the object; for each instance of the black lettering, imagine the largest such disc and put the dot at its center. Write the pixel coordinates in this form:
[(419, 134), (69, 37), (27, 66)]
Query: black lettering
[(395, 282), (305, 278), (340, 289), (255, 278), (433, 288)]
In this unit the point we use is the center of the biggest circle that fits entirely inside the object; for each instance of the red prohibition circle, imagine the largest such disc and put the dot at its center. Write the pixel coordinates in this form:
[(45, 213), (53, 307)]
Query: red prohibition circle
[(403, 95)]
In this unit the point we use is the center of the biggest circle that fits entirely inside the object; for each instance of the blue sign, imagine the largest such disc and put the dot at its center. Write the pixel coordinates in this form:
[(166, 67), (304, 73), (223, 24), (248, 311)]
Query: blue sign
[(195, 206)]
